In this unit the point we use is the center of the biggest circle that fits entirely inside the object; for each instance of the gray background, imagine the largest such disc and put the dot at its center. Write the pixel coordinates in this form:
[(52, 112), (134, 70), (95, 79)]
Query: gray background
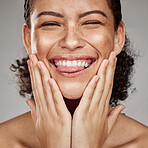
[(11, 47)]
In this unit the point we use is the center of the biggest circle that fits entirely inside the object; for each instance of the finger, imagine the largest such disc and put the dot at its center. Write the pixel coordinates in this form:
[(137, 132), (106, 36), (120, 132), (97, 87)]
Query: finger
[(32, 106), (107, 107), (104, 103), (87, 95), (33, 84), (38, 83), (58, 98), (45, 76), (112, 118), (100, 86), (112, 82)]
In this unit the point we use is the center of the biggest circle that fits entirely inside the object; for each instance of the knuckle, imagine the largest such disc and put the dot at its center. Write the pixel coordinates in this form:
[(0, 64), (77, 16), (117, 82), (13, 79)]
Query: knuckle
[(56, 102), (101, 90), (110, 84), (102, 74), (45, 92), (43, 73), (46, 78), (112, 64)]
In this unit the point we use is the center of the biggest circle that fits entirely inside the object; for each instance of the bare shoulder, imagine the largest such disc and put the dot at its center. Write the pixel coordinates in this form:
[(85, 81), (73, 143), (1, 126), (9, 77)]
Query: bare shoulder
[(127, 133), (17, 132)]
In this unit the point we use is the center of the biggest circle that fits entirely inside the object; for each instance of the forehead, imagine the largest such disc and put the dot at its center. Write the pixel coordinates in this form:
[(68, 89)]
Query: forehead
[(71, 7)]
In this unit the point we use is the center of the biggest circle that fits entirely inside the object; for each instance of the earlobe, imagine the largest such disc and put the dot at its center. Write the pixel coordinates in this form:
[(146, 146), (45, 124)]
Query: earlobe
[(119, 38), (27, 38)]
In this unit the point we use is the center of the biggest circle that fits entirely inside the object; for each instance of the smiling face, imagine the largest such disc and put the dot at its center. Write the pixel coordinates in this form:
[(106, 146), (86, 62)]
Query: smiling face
[(72, 38)]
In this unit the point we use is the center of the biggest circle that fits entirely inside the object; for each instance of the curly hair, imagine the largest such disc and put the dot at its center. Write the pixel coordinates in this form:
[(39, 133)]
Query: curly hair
[(124, 66)]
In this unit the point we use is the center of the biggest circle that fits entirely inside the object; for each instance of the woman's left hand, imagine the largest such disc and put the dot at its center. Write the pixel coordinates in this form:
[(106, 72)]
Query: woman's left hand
[(93, 120)]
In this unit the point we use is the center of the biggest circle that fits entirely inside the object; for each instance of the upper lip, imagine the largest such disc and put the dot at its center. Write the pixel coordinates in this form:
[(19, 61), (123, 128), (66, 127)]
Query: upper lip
[(72, 57)]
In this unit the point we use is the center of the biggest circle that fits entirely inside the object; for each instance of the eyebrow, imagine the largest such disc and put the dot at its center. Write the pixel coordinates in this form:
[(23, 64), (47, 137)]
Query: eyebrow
[(52, 13), (56, 14), (93, 12)]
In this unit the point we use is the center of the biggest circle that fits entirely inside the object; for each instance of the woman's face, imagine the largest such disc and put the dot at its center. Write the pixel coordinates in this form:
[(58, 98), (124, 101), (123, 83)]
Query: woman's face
[(72, 32)]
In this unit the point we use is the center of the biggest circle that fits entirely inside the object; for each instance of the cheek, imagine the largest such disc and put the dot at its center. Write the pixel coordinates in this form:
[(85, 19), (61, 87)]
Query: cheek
[(103, 42), (42, 44)]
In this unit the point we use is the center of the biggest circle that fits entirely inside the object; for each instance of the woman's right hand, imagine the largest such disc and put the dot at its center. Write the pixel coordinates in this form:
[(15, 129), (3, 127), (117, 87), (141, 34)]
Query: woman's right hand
[(50, 115)]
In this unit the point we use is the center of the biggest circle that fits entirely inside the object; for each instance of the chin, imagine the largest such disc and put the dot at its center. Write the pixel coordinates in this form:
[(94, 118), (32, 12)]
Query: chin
[(72, 96), (72, 91)]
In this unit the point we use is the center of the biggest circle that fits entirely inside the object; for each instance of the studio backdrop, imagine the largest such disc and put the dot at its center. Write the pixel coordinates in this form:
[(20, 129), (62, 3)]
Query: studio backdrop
[(11, 47)]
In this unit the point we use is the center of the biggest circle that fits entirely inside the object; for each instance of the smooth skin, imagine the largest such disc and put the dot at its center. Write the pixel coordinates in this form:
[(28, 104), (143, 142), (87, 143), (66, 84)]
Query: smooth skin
[(50, 115), (93, 115), (94, 123), (71, 35), (52, 119)]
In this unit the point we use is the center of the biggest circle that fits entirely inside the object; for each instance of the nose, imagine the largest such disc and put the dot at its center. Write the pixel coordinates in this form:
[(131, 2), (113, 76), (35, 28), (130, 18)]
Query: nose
[(72, 40)]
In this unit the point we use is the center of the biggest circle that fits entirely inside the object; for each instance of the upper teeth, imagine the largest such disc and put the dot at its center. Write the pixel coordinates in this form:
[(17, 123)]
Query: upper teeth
[(72, 63)]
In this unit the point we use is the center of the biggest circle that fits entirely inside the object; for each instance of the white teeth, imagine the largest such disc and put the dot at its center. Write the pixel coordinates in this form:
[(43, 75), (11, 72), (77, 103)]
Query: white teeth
[(60, 63), (69, 63), (72, 63), (64, 63), (83, 64), (86, 64), (79, 63)]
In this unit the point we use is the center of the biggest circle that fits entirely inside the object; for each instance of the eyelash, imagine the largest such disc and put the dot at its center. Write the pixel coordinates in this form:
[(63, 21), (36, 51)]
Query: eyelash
[(50, 24), (91, 22), (86, 23)]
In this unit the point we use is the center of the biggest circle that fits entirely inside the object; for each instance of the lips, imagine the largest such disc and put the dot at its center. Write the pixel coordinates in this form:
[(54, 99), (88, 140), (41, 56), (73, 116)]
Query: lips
[(72, 64)]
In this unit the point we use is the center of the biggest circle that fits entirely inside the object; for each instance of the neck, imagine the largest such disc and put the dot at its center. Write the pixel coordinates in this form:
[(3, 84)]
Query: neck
[(72, 104)]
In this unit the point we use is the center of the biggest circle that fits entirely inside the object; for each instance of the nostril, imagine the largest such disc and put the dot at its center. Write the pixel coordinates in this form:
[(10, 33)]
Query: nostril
[(71, 43)]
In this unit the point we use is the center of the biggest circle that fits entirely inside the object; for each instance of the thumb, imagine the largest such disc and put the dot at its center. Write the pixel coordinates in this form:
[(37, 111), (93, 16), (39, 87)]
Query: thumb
[(113, 115), (32, 105)]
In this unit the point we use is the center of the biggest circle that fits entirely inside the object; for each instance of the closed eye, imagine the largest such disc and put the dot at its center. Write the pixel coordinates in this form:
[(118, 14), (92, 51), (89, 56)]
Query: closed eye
[(50, 24), (91, 22)]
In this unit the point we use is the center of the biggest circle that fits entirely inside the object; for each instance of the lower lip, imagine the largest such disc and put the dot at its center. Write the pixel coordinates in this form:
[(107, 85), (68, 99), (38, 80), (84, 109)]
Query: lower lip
[(74, 74)]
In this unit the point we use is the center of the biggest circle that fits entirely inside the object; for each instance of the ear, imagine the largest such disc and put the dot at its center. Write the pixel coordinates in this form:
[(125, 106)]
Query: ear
[(119, 38), (27, 37)]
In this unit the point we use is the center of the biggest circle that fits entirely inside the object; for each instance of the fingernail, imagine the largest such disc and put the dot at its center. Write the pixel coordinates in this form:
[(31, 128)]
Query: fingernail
[(27, 102), (31, 57), (122, 108), (96, 78), (50, 81), (39, 65), (28, 62), (113, 54), (106, 63)]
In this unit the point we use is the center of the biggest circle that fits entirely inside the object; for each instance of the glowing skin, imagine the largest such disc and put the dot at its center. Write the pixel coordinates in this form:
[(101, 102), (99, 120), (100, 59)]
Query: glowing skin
[(72, 36)]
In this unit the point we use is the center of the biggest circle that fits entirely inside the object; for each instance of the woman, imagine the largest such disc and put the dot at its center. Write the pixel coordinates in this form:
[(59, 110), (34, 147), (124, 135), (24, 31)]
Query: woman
[(73, 47)]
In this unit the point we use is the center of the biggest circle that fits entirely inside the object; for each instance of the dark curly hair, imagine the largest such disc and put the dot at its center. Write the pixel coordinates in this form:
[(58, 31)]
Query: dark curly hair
[(124, 66)]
